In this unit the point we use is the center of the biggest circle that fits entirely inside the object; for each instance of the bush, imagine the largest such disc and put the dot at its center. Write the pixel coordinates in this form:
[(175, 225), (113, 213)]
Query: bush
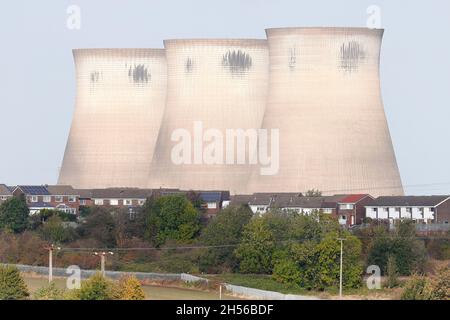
[(392, 274), (12, 285), (417, 288), (287, 271), (96, 288), (49, 292), (441, 284), (128, 288)]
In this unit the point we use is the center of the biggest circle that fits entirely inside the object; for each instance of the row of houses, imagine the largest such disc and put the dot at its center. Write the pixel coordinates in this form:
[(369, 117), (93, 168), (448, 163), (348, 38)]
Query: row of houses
[(352, 209), (70, 200), (349, 209)]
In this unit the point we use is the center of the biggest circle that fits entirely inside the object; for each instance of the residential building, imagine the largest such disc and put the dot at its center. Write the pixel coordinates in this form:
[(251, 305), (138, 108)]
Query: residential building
[(351, 208), (213, 201), (5, 193), (421, 209)]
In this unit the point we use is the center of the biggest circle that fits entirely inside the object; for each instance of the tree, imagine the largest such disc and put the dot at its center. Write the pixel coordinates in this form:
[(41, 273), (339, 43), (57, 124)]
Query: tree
[(128, 288), (95, 288), (99, 225), (56, 231), (12, 285), (402, 244), (224, 229), (49, 292), (256, 248), (313, 193), (14, 214), (171, 217), (392, 273)]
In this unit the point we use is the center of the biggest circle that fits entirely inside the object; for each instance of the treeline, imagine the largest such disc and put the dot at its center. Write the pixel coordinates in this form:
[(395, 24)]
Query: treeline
[(168, 234)]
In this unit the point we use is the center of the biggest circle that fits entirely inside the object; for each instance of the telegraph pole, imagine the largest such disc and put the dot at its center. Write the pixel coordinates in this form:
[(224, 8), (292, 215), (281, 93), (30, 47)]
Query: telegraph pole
[(103, 260), (340, 269), (50, 249)]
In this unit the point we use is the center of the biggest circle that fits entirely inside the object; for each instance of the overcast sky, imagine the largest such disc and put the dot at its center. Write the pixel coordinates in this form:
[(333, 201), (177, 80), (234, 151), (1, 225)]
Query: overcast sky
[(37, 85)]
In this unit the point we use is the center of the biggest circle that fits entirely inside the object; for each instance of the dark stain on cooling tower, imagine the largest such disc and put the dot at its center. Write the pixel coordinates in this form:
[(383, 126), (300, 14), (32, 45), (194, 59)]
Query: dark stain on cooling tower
[(351, 56), (292, 59), (237, 62), (95, 76), (189, 65), (139, 74)]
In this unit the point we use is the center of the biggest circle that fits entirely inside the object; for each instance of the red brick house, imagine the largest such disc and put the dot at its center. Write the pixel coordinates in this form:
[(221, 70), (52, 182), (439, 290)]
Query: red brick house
[(351, 208), (5, 193)]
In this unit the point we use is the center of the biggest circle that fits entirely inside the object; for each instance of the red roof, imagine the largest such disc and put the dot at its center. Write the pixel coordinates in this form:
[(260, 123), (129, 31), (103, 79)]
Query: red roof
[(353, 198)]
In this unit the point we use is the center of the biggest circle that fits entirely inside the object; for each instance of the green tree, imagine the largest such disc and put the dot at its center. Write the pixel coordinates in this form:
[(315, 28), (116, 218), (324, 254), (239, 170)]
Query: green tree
[(287, 271), (56, 231), (12, 285), (96, 288), (49, 292), (313, 193), (171, 217), (224, 229), (392, 273), (99, 225), (256, 248), (14, 214)]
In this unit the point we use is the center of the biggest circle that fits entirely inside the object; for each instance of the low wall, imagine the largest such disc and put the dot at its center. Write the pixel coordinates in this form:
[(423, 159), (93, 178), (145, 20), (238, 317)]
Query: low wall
[(264, 294)]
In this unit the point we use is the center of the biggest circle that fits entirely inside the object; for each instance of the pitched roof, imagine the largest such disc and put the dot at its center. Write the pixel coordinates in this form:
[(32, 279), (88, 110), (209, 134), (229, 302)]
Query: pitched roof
[(34, 190), (61, 190), (294, 200), (241, 199), (4, 190), (408, 201), (41, 205), (121, 193), (353, 198), (214, 196)]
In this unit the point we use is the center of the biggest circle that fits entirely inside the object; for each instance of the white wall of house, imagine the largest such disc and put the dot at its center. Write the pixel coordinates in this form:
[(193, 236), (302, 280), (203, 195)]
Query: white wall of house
[(416, 213)]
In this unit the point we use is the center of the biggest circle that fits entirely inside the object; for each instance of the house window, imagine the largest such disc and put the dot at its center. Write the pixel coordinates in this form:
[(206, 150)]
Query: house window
[(114, 202), (432, 209), (59, 198), (128, 202), (72, 199), (408, 210), (141, 202), (98, 202), (47, 199), (397, 210), (260, 209), (327, 210), (82, 202), (343, 217), (212, 205), (34, 198), (346, 206)]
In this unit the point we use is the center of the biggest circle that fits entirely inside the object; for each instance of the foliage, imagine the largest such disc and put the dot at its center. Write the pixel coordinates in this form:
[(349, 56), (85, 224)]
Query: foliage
[(402, 244), (440, 284), (225, 228), (99, 225), (49, 292), (417, 288), (14, 214), (96, 288), (286, 271), (313, 193), (256, 248), (12, 285), (56, 231), (392, 273), (171, 217), (128, 288)]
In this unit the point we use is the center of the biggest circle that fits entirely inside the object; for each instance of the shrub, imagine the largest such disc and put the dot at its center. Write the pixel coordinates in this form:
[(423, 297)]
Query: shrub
[(287, 271), (441, 284), (96, 288), (128, 288), (12, 285), (392, 273), (417, 288), (49, 292)]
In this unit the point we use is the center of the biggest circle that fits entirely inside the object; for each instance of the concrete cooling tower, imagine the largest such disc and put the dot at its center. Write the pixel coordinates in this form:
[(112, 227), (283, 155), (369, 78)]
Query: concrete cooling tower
[(324, 97), (120, 102), (212, 86)]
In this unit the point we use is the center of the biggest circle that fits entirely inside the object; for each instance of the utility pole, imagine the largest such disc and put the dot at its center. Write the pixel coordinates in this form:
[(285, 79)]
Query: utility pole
[(340, 269), (50, 249), (103, 260)]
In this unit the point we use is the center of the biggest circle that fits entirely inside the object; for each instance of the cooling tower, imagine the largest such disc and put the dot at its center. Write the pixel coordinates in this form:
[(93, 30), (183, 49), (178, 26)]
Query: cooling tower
[(324, 97), (120, 102), (216, 85)]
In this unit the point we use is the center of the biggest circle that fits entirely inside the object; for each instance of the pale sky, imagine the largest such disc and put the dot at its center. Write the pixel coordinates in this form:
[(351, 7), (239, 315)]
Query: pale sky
[(38, 86)]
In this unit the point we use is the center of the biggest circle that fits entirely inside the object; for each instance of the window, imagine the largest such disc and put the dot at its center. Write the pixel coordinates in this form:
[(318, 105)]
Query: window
[(343, 217), (346, 206), (327, 210), (114, 202), (98, 202), (128, 202), (397, 210), (47, 199), (212, 205), (141, 202), (59, 198), (408, 210), (72, 199), (34, 198), (82, 202), (432, 209)]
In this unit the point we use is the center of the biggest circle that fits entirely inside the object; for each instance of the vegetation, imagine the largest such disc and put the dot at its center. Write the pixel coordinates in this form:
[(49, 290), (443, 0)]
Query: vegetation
[(96, 288), (49, 292), (12, 285), (128, 288), (14, 215)]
